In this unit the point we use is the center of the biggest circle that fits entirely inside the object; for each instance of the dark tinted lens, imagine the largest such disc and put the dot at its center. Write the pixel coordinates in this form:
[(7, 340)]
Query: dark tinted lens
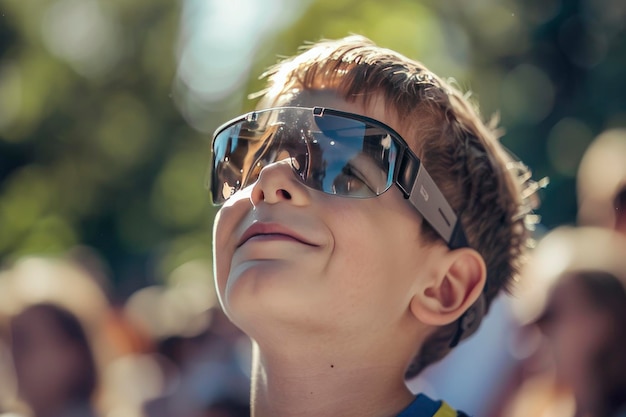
[(355, 159), (241, 150), (337, 155), (228, 159)]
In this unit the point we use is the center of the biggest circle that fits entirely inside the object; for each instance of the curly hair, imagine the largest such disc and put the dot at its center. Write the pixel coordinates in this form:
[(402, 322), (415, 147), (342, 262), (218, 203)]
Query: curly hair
[(485, 186)]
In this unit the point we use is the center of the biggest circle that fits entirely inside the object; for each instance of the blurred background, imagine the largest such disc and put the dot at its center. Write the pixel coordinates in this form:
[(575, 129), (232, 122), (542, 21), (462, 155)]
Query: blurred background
[(107, 109)]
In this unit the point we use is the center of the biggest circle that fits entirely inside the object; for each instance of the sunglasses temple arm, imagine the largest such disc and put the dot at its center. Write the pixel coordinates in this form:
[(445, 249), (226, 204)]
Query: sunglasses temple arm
[(426, 197)]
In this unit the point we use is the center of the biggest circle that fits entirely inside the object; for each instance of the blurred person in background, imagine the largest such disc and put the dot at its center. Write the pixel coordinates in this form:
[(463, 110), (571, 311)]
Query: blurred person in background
[(601, 186), (585, 327), (198, 362), (55, 369), (574, 302), (55, 312), (205, 374), (602, 182)]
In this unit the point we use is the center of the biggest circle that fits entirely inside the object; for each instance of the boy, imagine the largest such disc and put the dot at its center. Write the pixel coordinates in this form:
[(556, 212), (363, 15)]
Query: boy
[(349, 265)]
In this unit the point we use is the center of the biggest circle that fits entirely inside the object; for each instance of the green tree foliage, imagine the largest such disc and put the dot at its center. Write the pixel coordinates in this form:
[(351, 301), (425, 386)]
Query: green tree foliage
[(92, 148)]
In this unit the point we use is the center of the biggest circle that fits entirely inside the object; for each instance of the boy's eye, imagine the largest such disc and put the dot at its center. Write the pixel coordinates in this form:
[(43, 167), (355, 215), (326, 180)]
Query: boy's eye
[(350, 182)]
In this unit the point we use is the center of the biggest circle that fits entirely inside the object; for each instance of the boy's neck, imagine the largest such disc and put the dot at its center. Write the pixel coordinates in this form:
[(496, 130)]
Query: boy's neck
[(316, 385)]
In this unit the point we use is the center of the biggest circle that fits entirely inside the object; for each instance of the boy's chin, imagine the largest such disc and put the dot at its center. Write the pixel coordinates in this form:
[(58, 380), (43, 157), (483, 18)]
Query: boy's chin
[(259, 304)]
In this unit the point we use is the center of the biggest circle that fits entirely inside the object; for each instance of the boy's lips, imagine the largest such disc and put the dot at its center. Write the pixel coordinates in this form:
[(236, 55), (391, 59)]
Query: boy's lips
[(271, 229)]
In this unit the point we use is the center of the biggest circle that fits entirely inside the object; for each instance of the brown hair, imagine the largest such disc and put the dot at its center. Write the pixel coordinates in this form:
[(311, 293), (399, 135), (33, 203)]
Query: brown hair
[(462, 154)]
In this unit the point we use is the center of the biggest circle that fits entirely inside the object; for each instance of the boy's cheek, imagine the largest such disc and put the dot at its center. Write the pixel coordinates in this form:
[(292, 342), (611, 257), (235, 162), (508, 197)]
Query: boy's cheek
[(227, 219), (221, 258), (224, 236)]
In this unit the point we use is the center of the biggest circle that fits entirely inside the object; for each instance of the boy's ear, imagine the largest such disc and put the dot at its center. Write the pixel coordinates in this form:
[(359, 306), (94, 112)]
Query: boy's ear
[(457, 283)]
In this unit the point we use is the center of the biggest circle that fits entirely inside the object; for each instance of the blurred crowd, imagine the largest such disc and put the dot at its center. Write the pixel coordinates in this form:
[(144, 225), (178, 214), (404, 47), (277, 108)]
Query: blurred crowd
[(571, 303), (554, 348), (67, 351)]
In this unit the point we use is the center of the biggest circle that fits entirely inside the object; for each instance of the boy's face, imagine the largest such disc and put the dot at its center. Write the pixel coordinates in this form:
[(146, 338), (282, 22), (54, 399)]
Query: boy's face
[(292, 259)]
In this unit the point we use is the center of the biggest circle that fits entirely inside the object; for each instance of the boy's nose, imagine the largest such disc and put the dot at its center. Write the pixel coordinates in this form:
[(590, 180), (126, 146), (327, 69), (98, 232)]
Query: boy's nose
[(277, 183)]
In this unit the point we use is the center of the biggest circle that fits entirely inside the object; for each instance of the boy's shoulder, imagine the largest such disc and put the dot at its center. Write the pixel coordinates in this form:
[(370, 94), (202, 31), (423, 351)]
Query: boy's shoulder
[(424, 406)]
